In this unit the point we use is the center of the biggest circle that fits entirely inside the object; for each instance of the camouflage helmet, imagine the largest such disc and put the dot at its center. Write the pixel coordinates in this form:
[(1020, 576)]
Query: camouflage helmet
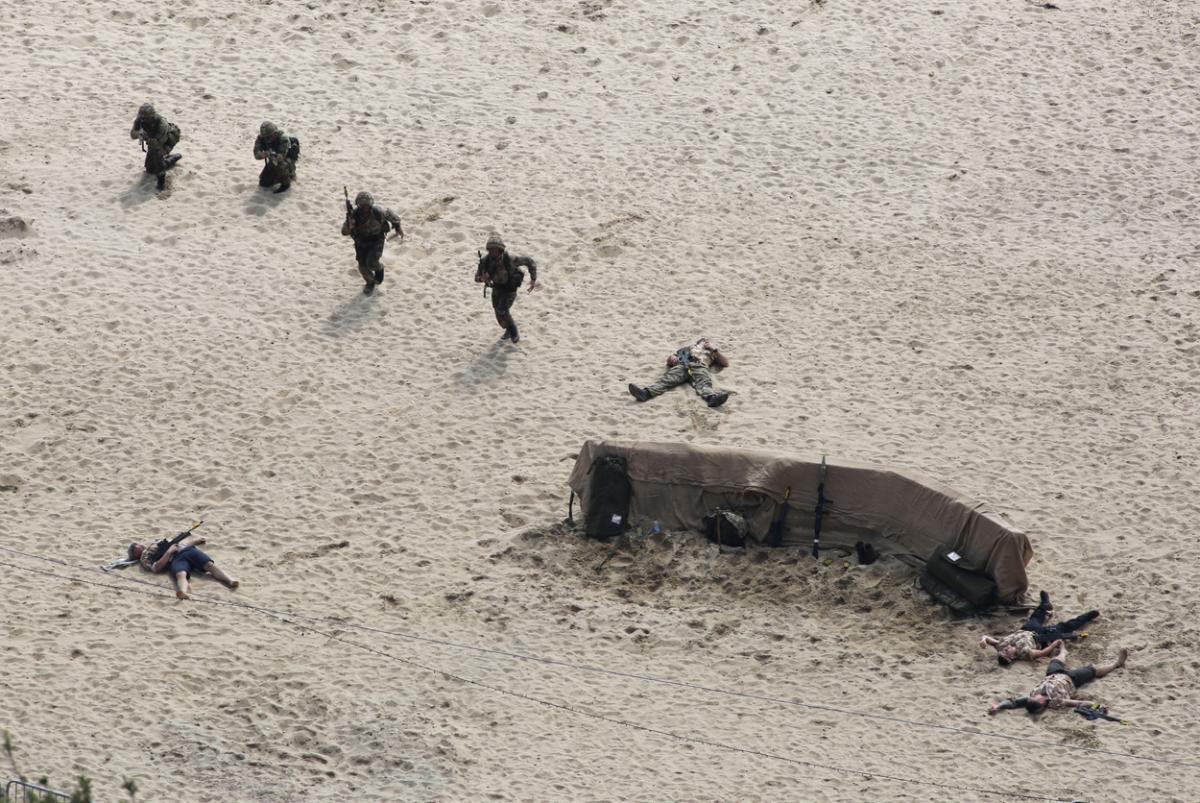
[(364, 199), (494, 241), (268, 129), (147, 110)]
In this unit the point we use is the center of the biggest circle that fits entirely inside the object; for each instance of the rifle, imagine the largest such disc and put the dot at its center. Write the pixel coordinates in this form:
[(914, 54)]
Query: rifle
[(349, 206), (820, 511), (142, 140), (486, 282), (776, 531), (162, 546)]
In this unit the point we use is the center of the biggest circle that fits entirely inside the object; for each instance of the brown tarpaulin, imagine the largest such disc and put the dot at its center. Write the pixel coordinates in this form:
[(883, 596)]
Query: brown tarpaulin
[(894, 509)]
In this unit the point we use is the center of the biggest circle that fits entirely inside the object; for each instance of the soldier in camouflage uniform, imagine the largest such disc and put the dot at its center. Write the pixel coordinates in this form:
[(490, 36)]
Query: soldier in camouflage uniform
[(502, 272), (158, 138), (689, 364), (273, 147), (368, 225)]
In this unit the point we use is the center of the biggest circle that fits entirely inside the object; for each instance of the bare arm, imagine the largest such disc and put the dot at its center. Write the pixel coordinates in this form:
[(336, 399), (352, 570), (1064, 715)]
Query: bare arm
[(1006, 705), (987, 641), (164, 560), (1044, 651)]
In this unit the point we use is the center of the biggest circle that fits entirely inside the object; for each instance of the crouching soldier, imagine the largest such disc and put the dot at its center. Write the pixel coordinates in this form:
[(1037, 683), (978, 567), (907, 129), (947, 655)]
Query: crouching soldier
[(158, 138), (368, 225), (280, 153), (502, 272)]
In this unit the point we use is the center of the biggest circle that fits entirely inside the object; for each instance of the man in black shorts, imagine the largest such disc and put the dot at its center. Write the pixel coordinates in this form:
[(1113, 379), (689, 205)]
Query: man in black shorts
[(1057, 689), (183, 559), (1036, 639)]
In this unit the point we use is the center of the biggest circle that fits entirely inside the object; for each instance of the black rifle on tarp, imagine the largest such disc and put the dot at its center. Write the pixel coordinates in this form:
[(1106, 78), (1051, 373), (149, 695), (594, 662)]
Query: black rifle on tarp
[(820, 511)]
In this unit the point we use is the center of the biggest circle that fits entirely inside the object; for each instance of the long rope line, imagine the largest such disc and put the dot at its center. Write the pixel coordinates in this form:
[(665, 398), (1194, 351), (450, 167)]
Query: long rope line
[(333, 636), (668, 681)]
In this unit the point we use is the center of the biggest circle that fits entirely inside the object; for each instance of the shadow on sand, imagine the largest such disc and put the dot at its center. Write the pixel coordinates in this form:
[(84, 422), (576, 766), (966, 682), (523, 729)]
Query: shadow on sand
[(351, 315), (489, 366)]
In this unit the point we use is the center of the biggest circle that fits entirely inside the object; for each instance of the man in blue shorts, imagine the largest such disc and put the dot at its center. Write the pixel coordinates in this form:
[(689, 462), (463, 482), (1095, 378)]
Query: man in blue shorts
[(182, 559), (1057, 689)]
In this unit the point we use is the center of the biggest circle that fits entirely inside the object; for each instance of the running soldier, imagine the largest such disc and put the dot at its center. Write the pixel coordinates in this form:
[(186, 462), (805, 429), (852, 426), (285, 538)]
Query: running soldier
[(275, 148), (369, 224), (158, 138), (689, 364), (502, 272)]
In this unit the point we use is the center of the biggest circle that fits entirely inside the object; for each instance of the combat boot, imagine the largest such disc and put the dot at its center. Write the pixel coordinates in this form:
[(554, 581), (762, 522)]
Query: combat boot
[(641, 394), (282, 188), (717, 399), (379, 276), (368, 288)]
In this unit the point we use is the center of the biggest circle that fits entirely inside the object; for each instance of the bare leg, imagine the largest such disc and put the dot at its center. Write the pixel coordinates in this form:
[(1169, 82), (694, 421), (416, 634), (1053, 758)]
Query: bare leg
[(181, 585), (1104, 669), (220, 575)]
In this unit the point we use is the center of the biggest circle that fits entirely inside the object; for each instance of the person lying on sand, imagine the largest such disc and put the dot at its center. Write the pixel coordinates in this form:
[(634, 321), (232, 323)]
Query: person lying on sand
[(1035, 640), (1060, 683), (689, 364), (182, 558)]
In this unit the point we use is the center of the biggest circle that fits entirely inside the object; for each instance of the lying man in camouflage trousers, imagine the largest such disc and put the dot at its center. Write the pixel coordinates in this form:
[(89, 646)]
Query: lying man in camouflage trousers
[(158, 138), (689, 364), (274, 147)]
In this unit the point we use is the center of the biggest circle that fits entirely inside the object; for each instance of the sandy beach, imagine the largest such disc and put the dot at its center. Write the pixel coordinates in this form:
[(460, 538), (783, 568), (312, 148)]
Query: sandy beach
[(953, 237)]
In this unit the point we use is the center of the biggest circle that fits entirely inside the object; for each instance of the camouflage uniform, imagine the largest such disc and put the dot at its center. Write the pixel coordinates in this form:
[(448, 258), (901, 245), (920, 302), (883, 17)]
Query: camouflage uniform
[(502, 271), (688, 364), (159, 137), (368, 225), (273, 145)]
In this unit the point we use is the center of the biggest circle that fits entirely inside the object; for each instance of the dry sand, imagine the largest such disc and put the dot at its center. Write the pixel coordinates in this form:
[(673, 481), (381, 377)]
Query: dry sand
[(957, 237)]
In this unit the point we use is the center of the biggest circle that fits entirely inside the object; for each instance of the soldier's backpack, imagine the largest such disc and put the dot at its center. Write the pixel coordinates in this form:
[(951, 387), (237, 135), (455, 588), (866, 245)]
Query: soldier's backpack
[(950, 579), (609, 492), (293, 151)]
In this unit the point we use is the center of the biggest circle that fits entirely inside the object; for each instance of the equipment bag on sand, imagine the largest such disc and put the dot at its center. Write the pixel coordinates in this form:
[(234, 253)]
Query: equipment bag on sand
[(951, 580), (609, 492)]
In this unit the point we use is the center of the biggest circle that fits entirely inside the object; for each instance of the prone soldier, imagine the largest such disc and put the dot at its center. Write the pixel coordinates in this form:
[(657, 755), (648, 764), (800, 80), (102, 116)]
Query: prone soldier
[(369, 224), (502, 272), (280, 152), (158, 138)]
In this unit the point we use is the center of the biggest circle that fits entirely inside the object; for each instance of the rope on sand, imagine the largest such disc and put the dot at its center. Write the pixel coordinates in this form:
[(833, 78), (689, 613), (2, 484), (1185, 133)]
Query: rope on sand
[(630, 675), (333, 636)]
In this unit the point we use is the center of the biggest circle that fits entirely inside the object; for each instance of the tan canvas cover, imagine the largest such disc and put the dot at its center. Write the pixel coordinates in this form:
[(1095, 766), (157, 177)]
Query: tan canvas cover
[(894, 509)]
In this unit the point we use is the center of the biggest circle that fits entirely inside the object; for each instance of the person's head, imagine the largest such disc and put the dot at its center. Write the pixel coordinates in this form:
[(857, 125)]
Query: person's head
[(1036, 703), (1006, 655), (495, 246), (135, 551), (146, 112), (268, 129), (364, 200)]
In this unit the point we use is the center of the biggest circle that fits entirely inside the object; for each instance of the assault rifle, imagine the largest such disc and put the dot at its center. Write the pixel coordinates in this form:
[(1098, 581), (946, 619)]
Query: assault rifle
[(486, 281), (349, 206), (142, 140), (162, 546), (820, 511)]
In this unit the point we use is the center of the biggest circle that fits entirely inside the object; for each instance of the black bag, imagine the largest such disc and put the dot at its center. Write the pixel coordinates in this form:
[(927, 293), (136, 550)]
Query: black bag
[(724, 527), (293, 151), (953, 581), (608, 498)]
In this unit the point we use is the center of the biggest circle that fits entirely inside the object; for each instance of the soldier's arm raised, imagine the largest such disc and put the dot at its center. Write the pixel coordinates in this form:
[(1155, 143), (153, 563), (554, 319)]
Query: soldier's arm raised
[(136, 131)]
